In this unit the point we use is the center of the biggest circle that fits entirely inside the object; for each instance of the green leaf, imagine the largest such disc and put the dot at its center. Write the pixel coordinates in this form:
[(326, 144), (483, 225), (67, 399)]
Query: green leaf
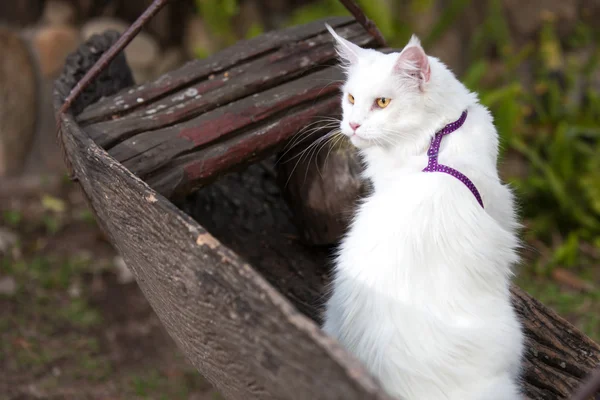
[(474, 74)]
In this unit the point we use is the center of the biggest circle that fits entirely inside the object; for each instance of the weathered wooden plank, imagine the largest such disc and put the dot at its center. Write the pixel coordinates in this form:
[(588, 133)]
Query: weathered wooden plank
[(148, 151), (243, 335), (197, 70), (243, 80), (261, 73), (559, 357), (188, 172)]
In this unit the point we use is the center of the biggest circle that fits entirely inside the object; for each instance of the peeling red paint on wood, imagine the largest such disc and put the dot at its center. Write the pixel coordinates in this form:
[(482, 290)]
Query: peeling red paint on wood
[(148, 151), (230, 121), (248, 79), (226, 116), (202, 169), (194, 71)]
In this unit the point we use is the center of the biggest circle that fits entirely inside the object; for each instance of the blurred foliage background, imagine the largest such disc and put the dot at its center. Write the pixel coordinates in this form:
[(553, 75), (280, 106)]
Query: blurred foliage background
[(75, 324), (542, 84)]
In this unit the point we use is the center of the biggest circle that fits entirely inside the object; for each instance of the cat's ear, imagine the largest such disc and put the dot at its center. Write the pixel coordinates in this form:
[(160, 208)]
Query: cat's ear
[(413, 62), (347, 50)]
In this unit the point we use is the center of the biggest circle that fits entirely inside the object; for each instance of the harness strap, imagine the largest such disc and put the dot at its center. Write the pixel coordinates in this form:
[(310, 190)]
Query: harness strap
[(434, 148)]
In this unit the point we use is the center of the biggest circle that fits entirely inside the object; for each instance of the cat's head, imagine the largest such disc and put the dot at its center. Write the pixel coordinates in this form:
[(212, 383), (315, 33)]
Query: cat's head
[(388, 99)]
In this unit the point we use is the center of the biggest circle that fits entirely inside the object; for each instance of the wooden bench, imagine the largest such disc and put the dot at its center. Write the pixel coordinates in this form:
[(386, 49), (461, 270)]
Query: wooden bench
[(224, 270)]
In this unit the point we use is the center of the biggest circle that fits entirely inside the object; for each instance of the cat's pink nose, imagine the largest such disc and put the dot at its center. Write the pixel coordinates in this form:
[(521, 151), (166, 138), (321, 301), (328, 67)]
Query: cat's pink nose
[(354, 126)]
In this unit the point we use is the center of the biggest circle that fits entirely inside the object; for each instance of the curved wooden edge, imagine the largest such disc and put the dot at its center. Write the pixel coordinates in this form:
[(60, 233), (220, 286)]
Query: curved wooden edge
[(258, 345), (180, 141), (232, 325), (197, 70), (247, 213)]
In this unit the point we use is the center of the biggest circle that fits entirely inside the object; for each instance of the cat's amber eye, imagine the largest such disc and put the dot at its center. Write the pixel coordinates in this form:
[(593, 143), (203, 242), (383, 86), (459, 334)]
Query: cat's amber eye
[(383, 102), (350, 98)]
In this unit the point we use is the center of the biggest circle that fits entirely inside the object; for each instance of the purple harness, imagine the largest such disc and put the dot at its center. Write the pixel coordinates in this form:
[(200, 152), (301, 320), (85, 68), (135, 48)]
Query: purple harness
[(434, 149)]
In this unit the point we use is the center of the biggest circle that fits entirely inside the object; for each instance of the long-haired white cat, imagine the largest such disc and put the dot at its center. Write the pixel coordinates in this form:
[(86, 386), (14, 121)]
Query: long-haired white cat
[(420, 292)]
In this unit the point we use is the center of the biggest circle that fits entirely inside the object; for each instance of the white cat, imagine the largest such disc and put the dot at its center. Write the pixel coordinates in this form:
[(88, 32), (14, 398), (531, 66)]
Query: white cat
[(420, 292)]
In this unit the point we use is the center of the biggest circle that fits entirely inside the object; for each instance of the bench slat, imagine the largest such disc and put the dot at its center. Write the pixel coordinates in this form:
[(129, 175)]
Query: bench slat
[(197, 70)]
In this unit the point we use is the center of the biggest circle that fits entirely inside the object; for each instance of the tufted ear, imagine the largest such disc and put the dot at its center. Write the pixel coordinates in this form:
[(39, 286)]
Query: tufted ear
[(413, 62), (347, 50)]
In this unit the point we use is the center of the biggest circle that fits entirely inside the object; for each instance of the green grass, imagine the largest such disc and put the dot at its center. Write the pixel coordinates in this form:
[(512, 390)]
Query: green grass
[(12, 218), (57, 330), (155, 383), (41, 308)]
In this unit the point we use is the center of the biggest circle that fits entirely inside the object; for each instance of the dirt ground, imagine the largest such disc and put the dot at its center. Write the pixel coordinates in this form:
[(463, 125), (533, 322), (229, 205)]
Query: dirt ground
[(73, 324)]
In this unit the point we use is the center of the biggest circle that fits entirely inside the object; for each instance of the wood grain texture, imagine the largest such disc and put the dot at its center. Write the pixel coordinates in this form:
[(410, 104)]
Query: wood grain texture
[(240, 301), (242, 334), (148, 151), (215, 91), (197, 169), (200, 70), (178, 138)]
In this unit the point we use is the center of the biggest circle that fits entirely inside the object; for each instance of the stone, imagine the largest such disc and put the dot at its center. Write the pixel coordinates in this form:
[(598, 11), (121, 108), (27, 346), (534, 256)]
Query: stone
[(18, 101), (7, 240), (45, 157), (142, 53), (74, 290), (59, 12), (53, 44), (8, 286), (124, 275)]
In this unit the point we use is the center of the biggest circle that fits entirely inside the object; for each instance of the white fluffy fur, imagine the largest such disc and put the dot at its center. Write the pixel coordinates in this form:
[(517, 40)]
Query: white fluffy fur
[(420, 292)]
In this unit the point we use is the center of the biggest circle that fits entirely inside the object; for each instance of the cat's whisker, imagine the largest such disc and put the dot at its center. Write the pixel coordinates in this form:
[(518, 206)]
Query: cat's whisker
[(393, 136), (325, 124), (302, 135), (339, 137), (316, 150), (322, 120), (329, 80), (387, 140), (310, 130), (332, 137), (297, 162), (325, 121), (326, 86), (395, 132), (308, 148), (308, 151)]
